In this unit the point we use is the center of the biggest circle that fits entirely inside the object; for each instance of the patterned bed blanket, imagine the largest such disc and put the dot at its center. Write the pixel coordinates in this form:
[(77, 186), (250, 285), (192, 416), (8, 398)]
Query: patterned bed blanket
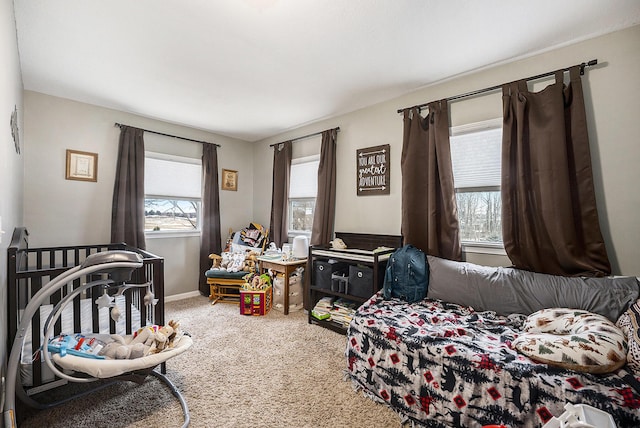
[(439, 364)]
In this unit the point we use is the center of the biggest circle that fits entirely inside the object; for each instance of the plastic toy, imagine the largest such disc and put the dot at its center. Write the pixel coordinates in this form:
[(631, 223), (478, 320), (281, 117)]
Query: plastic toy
[(254, 282), (78, 345), (581, 416)]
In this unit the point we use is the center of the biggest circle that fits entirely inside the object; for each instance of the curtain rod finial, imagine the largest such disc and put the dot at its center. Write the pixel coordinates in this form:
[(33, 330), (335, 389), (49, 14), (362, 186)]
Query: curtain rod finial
[(587, 64)]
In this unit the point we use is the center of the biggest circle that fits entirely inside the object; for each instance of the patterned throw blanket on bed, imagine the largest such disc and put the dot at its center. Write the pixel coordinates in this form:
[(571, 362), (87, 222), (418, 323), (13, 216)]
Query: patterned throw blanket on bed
[(438, 364)]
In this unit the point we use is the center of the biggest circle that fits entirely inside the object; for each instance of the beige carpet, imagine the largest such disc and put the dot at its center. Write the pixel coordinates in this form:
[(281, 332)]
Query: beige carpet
[(242, 371)]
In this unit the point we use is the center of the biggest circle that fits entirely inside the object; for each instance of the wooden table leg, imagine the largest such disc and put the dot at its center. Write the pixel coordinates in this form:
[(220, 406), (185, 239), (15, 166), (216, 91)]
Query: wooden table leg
[(286, 268), (286, 291)]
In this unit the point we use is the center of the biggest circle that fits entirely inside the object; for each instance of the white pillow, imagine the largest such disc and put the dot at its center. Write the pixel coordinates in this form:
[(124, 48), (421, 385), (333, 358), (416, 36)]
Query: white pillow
[(573, 339)]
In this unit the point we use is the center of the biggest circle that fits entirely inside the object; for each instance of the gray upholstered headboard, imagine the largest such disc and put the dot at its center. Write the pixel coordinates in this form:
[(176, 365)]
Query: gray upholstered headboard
[(508, 290)]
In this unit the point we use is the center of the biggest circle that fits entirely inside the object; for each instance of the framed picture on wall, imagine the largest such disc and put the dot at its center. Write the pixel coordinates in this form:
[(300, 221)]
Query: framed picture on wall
[(373, 170), (229, 179), (82, 166)]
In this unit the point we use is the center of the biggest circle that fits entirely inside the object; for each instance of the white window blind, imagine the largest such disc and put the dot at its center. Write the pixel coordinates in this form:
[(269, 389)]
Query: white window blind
[(172, 176), (476, 157), (303, 181)]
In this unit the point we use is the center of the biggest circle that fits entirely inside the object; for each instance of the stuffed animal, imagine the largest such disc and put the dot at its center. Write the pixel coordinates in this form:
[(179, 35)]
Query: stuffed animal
[(231, 262), (165, 337), (215, 261), (250, 261), (148, 340), (119, 349), (225, 261), (338, 244), (237, 262)]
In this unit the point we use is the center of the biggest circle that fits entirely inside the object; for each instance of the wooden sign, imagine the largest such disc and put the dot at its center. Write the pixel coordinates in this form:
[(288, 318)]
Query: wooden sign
[(373, 170)]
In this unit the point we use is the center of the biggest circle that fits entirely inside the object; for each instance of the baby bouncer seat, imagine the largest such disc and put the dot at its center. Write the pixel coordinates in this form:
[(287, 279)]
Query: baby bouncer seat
[(115, 267)]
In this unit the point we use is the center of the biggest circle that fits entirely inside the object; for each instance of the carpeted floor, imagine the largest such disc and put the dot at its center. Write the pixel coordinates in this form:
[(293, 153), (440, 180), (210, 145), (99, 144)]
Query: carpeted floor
[(242, 371)]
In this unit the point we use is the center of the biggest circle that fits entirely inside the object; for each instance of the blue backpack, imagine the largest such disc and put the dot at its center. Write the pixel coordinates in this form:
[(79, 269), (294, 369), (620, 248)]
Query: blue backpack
[(407, 275)]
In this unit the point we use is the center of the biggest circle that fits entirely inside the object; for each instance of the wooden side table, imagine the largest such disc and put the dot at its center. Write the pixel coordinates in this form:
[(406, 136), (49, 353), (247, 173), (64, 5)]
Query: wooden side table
[(285, 267)]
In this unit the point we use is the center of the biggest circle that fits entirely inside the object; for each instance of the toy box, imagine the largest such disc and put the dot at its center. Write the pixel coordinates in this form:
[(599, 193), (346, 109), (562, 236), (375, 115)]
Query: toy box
[(256, 302)]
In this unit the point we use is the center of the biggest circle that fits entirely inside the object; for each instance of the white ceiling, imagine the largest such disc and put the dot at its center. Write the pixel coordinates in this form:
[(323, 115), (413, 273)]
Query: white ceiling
[(255, 68)]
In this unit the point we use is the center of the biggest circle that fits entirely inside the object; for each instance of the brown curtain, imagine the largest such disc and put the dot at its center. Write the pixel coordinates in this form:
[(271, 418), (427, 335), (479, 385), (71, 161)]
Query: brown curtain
[(550, 219), (324, 213), (280, 193), (127, 210), (429, 210), (211, 240)]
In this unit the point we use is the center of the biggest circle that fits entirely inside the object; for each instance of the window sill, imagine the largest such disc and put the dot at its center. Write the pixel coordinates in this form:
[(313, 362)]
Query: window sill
[(162, 234), (292, 234), (493, 249)]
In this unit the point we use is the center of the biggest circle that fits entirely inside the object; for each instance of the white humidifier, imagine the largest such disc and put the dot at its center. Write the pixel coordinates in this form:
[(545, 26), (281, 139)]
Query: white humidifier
[(300, 248)]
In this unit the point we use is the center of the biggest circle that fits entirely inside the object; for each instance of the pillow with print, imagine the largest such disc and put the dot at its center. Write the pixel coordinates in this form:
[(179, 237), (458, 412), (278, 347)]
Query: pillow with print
[(573, 339), (629, 323)]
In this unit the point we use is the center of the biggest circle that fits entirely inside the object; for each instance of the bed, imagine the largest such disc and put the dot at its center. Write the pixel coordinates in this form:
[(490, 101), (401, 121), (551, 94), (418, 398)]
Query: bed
[(31, 268), (439, 363)]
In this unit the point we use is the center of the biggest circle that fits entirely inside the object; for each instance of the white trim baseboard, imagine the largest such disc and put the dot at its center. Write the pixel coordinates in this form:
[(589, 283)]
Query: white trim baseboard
[(181, 296)]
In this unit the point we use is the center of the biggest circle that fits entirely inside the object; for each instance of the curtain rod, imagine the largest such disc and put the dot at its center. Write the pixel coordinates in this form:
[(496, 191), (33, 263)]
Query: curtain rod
[(493, 88), (305, 136), (120, 125)]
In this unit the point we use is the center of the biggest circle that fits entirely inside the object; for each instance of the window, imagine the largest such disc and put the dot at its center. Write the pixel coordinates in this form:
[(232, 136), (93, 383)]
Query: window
[(303, 187), (172, 186), (476, 157)]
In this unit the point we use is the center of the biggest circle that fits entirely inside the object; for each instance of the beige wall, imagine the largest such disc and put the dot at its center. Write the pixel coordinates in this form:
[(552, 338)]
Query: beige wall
[(63, 212), (11, 163), (66, 212), (612, 91)]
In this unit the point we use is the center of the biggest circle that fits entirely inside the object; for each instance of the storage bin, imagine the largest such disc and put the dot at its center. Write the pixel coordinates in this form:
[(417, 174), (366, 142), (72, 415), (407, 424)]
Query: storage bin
[(295, 293), (339, 281), (256, 302), (360, 281), (296, 289), (322, 271), (296, 283)]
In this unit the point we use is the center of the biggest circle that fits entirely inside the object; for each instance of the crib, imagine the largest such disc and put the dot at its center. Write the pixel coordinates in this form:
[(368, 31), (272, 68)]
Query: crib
[(31, 268)]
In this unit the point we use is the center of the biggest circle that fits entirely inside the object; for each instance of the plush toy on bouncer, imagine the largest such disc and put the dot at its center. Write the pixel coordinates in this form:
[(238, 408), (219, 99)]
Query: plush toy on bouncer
[(148, 340)]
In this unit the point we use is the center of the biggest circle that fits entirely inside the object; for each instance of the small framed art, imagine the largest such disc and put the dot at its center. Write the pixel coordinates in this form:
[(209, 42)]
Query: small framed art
[(229, 179), (82, 166), (372, 170)]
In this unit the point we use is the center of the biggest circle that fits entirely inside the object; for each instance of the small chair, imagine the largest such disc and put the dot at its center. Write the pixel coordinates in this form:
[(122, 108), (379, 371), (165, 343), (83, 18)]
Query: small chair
[(224, 286)]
